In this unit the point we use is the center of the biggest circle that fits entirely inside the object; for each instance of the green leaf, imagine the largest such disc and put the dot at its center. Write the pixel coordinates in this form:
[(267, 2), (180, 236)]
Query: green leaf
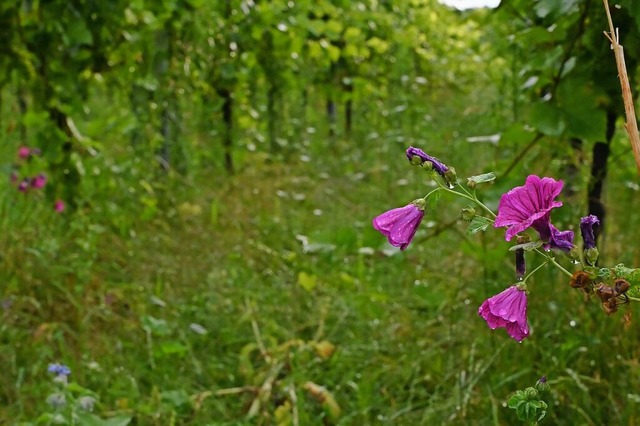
[(547, 118), (486, 177), (532, 245), (478, 223), (307, 281)]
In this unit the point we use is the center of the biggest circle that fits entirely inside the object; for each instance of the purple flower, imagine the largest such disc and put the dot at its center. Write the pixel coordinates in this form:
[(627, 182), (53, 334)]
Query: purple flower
[(438, 166), (586, 229), (59, 369), (529, 206), (39, 181), (562, 240), (507, 310), (59, 206), (400, 225)]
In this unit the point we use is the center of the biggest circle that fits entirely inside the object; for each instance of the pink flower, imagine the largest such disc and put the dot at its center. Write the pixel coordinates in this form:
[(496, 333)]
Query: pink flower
[(530, 206), (507, 310), (24, 152), (39, 181), (59, 206), (400, 225)]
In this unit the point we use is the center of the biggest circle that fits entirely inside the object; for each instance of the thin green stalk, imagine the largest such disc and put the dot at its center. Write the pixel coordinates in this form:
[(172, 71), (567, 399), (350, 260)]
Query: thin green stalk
[(552, 260), (534, 271)]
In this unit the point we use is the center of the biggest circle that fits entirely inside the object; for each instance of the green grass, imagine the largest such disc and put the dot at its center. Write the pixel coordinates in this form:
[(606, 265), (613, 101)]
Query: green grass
[(214, 300)]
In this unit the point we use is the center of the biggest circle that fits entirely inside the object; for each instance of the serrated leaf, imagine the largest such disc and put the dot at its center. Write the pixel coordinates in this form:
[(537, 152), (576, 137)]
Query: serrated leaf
[(485, 177), (531, 245), (478, 224)]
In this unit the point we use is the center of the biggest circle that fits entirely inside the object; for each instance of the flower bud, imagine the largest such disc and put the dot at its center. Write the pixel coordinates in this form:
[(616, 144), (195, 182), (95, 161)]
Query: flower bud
[(591, 255), (542, 385), (451, 177), (57, 400), (521, 266), (574, 253), (468, 213)]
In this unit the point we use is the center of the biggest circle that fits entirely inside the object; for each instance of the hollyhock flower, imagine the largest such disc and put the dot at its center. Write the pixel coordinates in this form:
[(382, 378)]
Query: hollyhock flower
[(59, 206), (400, 225), (586, 229), (529, 206), (507, 310), (39, 181), (24, 152), (437, 165)]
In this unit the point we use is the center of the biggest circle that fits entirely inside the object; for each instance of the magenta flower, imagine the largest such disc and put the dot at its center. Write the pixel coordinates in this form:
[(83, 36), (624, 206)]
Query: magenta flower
[(39, 181), (24, 152), (59, 206), (529, 206), (400, 225), (507, 310)]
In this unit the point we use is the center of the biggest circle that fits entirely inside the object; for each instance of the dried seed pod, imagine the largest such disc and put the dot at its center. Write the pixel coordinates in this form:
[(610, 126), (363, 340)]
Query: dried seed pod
[(621, 286), (605, 293), (580, 279)]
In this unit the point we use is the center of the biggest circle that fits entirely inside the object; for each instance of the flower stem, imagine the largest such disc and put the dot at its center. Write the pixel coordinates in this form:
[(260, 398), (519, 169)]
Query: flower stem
[(552, 260), (534, 271), (468, 196)]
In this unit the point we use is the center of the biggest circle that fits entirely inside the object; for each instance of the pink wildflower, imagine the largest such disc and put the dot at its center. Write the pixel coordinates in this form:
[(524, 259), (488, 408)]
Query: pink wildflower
[(507, 310), (39, 181), (59, 206), (400, 225), (530, 206), (24, 152)]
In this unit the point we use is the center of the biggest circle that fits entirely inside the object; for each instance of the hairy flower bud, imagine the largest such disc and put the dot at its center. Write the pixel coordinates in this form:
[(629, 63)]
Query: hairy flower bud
[(591, 255), (542, 385), (468, 213)]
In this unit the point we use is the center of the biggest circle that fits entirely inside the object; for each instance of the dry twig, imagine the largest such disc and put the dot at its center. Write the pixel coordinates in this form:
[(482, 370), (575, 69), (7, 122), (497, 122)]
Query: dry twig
[(631, 124)]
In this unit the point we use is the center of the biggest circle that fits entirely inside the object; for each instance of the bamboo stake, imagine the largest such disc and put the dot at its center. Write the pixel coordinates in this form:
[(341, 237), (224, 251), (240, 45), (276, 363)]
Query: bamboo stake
[(631, 124)]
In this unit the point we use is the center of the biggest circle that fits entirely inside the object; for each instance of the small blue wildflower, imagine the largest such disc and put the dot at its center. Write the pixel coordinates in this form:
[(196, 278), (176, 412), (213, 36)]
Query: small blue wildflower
[(59, 369)]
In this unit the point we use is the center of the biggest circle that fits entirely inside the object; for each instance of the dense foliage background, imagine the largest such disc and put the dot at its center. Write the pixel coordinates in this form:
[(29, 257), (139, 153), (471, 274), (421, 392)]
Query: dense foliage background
[(220, 163)]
